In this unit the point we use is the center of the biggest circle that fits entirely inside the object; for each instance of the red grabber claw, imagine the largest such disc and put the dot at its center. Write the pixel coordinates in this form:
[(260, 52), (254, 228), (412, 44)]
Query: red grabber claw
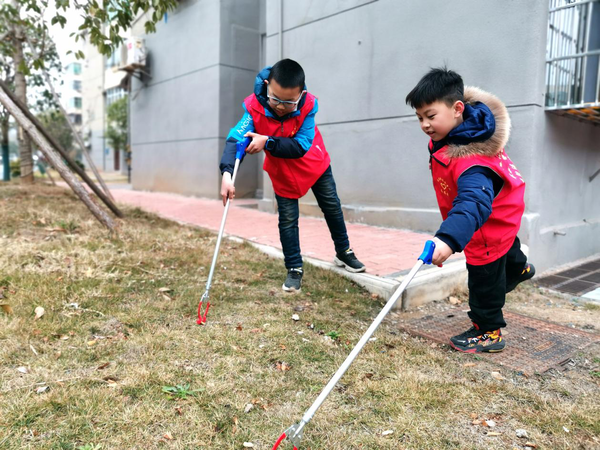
[(202, 317), (293, 434), (280, 440)]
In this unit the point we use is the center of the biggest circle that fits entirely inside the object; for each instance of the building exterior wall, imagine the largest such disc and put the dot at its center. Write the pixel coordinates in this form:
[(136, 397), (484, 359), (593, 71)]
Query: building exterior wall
[(100, 86), (361, 58), (92, 85)]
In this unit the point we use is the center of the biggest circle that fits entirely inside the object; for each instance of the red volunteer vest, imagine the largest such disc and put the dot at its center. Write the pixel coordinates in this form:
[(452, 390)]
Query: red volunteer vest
[(496, 236), (291, 178)]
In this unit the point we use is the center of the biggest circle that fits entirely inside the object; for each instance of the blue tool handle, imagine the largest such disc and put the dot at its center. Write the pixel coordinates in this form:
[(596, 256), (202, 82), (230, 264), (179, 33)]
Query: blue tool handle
[(241, 148), (427, 252)]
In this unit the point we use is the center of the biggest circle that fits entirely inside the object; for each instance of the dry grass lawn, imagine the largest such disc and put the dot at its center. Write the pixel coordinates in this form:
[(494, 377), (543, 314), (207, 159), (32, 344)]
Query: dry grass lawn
[(117, 362)]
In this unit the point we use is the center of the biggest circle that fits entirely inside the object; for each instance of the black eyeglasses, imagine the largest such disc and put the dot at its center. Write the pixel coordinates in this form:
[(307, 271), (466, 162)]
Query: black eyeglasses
[(287, 104)]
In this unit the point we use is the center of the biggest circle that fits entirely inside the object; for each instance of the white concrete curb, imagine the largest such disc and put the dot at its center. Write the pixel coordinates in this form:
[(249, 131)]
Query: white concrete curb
[(429, 284)]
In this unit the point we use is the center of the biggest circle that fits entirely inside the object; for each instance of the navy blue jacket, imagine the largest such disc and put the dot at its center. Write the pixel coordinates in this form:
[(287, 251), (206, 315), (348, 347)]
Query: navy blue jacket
[(477, 186)]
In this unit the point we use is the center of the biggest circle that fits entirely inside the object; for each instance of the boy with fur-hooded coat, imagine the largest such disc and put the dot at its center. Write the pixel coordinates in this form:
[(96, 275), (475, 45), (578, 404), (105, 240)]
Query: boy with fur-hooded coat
[(480, 195)]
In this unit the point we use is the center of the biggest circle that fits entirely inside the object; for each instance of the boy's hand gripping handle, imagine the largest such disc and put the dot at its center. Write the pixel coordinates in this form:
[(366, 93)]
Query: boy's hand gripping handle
[(427, 252), (241, 148)]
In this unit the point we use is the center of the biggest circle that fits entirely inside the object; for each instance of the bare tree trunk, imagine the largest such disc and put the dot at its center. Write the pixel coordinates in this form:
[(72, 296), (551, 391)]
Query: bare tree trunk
[(21, 90), (74, 166), (75, 132), (56, 161)]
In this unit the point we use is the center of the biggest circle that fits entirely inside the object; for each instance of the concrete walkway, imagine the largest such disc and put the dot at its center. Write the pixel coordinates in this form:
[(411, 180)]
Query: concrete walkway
[(387, 253)]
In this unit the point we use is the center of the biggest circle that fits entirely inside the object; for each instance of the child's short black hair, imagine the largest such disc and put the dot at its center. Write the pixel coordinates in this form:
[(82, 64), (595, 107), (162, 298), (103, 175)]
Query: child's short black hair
[(288, 74), (438, 84)]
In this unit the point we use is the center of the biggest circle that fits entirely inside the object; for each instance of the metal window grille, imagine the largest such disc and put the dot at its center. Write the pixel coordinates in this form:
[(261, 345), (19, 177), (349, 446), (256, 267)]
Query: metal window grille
[(573, 55)]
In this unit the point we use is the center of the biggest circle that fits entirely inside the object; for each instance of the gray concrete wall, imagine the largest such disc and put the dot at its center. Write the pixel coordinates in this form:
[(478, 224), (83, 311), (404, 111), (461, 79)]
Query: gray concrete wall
[(174, 117), (203, 61), (361, 61), (239, 63), (564, 203)]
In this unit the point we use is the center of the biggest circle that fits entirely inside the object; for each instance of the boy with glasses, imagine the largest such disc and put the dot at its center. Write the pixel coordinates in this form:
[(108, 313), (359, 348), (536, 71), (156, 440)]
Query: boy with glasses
[(280, 119)]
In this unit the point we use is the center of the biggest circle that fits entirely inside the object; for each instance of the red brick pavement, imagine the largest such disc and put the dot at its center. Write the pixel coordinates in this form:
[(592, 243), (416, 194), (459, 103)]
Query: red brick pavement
[(383, 250)]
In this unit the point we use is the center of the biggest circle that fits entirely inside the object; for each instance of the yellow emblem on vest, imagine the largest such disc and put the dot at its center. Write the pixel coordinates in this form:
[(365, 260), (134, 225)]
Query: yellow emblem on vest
[(444, 187)]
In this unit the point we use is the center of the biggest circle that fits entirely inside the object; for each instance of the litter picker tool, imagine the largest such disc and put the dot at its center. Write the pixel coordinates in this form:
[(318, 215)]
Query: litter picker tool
[(294, 433), (239, 155)]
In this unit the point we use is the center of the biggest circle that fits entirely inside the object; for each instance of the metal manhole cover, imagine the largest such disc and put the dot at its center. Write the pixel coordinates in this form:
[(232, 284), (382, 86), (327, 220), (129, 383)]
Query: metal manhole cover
[(532, 345), (577, 287), (575, 281), (592, 278), (591, 266)]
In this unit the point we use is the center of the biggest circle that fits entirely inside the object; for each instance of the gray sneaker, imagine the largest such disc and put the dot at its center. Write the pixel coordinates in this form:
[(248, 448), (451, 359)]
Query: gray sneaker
[(349, 261), (293, 282)]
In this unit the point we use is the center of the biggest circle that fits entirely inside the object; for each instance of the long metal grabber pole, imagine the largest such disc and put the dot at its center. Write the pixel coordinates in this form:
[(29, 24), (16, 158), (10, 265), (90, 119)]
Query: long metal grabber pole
[(205, 300), (294, 433)]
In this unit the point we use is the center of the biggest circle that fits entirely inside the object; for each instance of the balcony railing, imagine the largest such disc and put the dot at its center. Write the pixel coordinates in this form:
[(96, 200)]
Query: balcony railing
[(573, 58)]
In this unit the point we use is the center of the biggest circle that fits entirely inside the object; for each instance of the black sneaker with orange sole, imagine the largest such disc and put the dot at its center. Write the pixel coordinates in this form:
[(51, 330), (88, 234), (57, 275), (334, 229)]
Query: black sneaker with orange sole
[(527, 274), (476, 341)]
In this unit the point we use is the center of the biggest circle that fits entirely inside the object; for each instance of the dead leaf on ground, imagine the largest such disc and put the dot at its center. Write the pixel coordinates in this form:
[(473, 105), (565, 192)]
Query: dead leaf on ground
[(111, 381), (283, 366), (469, 364), (239, 327), (168, 436), (454, 301), (530, 444), (39, 312), (103, 366), (6, 308)]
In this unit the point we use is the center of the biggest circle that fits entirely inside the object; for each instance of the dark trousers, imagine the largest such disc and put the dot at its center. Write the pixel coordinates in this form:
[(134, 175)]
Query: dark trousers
[(329, 202), (488, 287)]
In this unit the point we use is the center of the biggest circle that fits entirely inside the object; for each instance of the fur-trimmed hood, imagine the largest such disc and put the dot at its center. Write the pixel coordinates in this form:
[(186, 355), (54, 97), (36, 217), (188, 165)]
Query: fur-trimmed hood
[(493, 145)]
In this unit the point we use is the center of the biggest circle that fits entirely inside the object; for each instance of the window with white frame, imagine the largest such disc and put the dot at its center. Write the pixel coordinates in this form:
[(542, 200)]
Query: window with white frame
[(114, 94)]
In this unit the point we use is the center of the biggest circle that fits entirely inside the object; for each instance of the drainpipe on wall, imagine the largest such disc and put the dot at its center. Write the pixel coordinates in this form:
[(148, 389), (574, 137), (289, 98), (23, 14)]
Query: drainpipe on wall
[(280, 30)]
